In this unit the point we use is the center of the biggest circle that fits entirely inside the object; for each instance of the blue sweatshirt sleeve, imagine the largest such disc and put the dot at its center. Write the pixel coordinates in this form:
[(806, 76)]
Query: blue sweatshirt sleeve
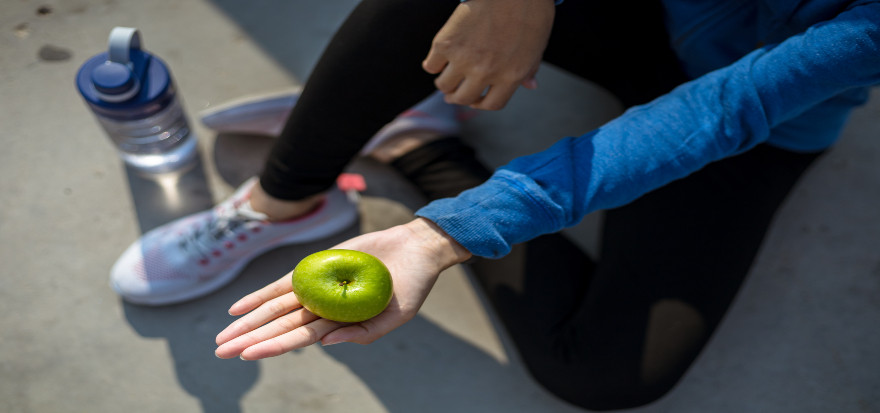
[(718, 115)]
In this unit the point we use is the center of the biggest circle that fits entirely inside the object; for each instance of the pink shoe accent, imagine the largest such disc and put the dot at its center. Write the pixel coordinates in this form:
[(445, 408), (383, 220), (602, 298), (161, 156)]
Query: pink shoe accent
[(351, 182)]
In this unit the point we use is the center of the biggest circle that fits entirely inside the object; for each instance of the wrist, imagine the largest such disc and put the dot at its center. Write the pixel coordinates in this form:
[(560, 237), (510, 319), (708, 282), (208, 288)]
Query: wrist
[(445, 249)]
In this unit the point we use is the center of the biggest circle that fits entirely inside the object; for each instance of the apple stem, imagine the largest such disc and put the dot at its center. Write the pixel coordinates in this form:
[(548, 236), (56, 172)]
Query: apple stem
[(343, 283)]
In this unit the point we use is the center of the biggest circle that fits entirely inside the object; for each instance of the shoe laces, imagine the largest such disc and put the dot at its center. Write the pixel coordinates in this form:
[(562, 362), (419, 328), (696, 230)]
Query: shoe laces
[(224, 225)]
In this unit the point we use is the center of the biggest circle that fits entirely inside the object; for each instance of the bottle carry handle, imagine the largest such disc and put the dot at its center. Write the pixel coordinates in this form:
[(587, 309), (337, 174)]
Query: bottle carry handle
[(122, 41), (124, 47)]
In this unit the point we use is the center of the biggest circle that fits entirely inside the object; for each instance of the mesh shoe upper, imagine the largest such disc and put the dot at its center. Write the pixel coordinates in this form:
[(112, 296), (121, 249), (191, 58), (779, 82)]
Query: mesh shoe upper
[(197, 254)]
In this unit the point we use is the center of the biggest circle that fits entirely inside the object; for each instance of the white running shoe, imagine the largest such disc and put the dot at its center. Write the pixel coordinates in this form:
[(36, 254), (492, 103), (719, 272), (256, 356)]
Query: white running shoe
[(266, 115), (263, 114), (198, 254), (431, 114)]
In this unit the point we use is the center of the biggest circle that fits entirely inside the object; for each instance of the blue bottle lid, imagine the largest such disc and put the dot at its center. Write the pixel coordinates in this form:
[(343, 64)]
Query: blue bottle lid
[(126, 82), (113, 79)]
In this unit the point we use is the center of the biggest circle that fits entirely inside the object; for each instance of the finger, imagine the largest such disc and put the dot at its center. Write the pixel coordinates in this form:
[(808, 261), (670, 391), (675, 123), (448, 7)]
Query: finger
[(449, 80), (301, 337), (269, 311), (468, 92), (434, 62), (496, 98), (257, 298), (278, 327)]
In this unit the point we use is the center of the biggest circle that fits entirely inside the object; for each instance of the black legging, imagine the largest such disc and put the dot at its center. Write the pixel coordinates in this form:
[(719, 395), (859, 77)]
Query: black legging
[(369, 73), (614, 333)]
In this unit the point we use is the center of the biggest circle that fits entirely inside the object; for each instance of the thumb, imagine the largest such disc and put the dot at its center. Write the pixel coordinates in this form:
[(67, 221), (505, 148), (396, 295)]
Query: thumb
[(350, 334), (365, 332)]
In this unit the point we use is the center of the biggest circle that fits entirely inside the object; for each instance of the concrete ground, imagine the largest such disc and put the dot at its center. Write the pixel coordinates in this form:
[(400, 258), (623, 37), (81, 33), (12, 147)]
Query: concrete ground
[(802, 336)]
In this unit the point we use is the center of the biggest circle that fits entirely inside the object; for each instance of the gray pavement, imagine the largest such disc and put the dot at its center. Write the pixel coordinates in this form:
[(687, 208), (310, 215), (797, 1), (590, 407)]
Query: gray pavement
[(802, 336)]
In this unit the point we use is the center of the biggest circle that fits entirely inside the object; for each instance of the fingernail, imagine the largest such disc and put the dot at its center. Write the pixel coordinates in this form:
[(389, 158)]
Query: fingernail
[(242, 357), (330, 342)]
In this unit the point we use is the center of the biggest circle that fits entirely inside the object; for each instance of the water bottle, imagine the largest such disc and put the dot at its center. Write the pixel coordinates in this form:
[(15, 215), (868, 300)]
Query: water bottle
[(132, 94)]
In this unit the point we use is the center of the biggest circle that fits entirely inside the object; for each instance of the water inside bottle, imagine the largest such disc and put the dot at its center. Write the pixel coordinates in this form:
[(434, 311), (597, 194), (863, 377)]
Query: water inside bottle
[(159, 143), (179, 158)]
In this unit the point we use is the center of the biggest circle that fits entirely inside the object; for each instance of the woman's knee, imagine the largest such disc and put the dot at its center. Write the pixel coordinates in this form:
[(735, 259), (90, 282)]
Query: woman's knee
[(599, 391), (606, 374)]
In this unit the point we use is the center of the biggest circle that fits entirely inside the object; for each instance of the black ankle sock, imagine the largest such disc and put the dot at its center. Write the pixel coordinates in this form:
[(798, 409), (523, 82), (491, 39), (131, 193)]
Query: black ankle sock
[(442, 168)]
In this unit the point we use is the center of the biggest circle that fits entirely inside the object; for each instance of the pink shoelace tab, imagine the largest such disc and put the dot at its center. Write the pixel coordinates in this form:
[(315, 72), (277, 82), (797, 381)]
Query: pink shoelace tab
[(351, 182)]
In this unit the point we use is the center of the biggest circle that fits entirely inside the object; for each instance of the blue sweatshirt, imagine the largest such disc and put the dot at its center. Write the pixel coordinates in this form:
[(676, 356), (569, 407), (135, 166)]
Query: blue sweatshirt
[(785, 73)]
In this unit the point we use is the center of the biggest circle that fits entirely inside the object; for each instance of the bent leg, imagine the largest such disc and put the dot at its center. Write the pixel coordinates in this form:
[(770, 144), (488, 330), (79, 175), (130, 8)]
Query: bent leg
[(672, 262), (369, 73)]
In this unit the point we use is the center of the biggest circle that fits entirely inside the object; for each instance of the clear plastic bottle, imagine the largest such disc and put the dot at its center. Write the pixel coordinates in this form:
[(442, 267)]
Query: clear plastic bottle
[(133, 96)]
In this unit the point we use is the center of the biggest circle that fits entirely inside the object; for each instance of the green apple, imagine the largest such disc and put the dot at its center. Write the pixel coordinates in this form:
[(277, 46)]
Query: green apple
[(342, 285)]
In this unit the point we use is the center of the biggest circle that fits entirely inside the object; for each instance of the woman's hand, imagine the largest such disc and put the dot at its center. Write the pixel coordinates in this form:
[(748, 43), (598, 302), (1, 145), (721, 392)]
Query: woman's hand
[(274, 322), (488, 48)]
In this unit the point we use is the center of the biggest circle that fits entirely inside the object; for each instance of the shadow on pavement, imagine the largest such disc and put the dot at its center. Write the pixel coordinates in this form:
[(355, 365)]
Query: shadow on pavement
[(161, 198), (190, 328), (238, 157), (422, 368)]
